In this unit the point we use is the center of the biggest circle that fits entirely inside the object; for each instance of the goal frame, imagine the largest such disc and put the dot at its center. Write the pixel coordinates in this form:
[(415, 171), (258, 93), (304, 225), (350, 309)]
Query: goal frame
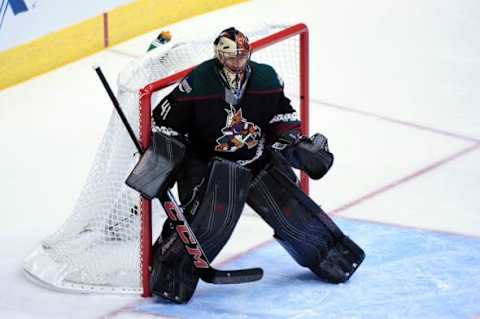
[(300, 30)]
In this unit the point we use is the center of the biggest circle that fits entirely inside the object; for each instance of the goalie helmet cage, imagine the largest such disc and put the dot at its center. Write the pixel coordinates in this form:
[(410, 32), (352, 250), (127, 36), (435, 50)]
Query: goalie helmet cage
[(105, 245)]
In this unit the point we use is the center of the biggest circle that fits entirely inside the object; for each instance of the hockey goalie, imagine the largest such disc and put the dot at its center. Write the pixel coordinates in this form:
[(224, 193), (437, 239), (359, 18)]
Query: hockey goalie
[(227, 135)]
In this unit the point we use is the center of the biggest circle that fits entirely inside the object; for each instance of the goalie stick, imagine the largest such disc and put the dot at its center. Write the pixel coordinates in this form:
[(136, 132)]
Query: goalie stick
[(175, 215)]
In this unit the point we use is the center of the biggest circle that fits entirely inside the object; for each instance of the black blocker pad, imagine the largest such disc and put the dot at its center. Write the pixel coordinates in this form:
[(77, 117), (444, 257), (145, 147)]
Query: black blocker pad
[(307, 233), (212, 216), (157, 166)]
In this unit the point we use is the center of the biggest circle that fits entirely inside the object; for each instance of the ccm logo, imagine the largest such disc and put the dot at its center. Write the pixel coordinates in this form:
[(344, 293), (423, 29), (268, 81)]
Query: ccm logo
[(185, 235)]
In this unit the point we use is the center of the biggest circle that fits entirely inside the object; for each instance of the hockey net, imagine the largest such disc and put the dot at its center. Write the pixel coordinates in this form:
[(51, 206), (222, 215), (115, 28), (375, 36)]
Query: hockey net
[(105, 244)]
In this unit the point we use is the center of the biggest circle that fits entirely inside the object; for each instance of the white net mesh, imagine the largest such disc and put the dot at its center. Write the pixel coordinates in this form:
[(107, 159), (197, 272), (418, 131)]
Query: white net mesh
[(98, 249)]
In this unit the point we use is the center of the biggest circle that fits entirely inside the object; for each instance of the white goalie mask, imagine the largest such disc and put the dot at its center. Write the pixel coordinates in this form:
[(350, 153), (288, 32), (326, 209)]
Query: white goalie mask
[(232, 51)]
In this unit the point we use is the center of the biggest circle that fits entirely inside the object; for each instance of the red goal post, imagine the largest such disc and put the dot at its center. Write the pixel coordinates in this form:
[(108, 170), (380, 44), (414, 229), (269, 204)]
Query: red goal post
[(299, 30)]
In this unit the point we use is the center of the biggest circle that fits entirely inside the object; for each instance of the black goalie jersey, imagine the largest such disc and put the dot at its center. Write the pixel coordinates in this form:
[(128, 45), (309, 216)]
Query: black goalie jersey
[(199, 109)]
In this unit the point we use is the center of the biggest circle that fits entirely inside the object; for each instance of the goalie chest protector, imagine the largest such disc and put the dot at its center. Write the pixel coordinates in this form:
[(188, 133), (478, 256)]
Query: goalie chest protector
[(198, 107)]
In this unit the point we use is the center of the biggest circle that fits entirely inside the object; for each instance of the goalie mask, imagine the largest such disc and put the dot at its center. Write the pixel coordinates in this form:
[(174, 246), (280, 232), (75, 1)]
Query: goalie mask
[(232, 51)]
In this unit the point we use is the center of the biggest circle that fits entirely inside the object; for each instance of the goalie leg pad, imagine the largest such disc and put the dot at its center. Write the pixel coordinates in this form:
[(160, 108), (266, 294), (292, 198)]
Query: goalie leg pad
[(302, 228), (212, 216), (157, 166)]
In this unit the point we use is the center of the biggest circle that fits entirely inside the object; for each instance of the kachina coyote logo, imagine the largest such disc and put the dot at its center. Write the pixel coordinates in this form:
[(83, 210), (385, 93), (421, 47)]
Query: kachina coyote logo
[(237, 133)]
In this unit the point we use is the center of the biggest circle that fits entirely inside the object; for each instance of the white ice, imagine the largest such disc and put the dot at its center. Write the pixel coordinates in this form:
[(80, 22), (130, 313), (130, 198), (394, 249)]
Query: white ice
[(394, 85)]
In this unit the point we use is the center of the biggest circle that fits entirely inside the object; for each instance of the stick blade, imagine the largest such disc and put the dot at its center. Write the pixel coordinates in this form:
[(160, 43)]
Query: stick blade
[(214, 276)]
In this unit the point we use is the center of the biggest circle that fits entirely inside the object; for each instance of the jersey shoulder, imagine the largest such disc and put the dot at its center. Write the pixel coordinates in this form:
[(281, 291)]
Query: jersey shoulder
[(202, 81), (264, 77)]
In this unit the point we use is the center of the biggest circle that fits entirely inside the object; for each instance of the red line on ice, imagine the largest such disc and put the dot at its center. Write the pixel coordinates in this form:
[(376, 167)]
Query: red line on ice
[(405, 179), (401, 122)]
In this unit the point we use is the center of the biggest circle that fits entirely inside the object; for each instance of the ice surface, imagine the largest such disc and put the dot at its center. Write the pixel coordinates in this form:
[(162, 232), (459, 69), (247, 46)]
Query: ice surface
[(408, 273), (415, 62)]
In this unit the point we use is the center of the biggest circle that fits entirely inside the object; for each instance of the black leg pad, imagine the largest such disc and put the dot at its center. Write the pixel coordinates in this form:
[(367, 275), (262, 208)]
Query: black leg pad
[(308, 234)]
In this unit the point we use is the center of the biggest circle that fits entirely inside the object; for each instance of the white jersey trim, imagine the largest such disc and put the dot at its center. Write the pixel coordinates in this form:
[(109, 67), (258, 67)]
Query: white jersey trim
[(164, 130), (288, 117), (258, 153)]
